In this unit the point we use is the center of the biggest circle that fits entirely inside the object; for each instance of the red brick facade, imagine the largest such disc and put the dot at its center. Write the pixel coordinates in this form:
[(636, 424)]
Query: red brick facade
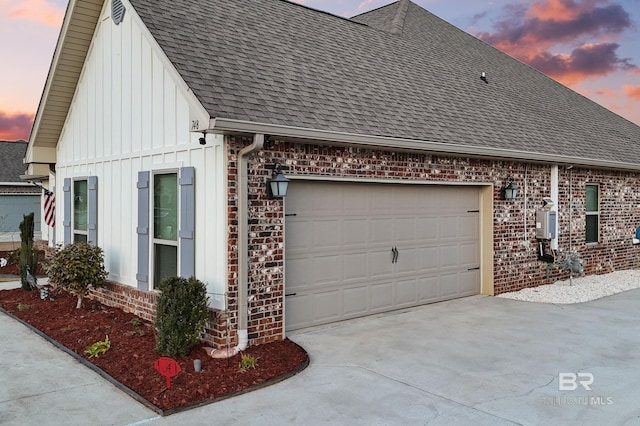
[(516, 265)]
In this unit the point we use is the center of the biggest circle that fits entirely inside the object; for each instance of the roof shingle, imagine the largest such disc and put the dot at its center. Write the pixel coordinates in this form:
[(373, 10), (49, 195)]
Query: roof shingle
[(398, 71)]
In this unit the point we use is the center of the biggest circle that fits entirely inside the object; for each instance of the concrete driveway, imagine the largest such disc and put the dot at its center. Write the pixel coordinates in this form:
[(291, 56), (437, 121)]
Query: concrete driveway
[(472, 361)]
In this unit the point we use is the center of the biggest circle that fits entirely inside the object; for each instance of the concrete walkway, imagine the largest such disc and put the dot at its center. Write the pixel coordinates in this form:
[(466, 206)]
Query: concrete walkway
[(473, 361)]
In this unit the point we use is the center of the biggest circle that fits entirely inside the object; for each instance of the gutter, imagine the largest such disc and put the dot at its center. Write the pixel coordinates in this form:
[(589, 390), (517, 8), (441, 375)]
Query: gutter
[(231, 126)]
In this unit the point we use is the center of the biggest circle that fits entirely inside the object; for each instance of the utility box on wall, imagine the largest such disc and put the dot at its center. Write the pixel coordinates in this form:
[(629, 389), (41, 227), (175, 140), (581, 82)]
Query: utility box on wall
[(546, 224)]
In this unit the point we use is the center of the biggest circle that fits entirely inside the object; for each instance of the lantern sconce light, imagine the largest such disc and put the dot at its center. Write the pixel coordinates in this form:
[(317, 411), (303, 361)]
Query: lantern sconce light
[(278, 184), (509, 191)]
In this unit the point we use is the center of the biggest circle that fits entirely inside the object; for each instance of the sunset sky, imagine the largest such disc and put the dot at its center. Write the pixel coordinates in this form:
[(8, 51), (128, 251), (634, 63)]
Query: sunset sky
[(592, 46)]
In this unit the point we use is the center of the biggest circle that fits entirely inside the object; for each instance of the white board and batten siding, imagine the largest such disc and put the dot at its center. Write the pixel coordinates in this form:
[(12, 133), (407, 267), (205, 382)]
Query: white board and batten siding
[(132, 112)]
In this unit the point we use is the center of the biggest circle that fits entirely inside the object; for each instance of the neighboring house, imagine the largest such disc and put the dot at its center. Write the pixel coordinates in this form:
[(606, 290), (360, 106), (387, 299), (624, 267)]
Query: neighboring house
[(398, 132), (17, 197)]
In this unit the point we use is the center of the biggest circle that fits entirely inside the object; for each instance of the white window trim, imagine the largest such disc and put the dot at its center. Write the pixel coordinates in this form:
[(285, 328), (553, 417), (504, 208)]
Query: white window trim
[(152, 239), (593, 213), (75, 231)]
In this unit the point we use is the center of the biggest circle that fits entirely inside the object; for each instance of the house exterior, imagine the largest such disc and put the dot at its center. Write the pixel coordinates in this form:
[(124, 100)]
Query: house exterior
[(17, 198), (398, 133)]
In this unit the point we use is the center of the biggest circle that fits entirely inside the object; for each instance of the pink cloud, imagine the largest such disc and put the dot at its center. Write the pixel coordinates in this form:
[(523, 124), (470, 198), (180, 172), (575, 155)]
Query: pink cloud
[(632, 92), (530, 34), (40, 11), (14, 126)]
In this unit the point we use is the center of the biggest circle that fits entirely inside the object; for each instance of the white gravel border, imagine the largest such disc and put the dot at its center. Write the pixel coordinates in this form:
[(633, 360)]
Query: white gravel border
[(583, 289)]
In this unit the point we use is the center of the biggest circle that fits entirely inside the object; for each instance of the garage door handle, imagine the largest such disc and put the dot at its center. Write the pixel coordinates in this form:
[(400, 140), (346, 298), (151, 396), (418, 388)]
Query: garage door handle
[(394, 255), (291, 294)]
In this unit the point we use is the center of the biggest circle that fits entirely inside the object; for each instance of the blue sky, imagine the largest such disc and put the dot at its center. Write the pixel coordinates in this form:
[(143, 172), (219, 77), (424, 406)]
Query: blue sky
[(591, 46)]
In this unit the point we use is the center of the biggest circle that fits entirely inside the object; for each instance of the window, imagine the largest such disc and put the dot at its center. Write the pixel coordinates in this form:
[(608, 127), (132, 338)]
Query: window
[(165, 226), (592, 204), (80, 212), (80, 209)]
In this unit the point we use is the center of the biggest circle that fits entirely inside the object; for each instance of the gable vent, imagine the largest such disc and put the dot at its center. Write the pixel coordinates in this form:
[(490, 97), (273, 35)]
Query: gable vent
[(117, 11)]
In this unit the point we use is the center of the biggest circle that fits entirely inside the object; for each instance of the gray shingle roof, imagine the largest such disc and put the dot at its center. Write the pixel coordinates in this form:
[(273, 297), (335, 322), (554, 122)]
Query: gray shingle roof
[(398, 71), (11, 165)]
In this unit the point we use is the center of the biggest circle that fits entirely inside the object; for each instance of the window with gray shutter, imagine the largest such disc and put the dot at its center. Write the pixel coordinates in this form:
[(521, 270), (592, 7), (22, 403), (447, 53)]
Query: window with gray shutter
[(166, 244)]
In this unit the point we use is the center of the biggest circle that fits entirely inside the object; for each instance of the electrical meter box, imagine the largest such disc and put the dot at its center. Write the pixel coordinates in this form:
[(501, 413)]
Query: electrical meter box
[(546, 224)]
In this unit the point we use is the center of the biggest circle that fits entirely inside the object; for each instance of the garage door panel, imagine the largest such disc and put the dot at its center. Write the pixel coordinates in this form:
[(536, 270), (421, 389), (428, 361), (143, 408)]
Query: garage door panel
[(355, 233), (406, 293), (427, 229), (449, 256), (469, 254), (381, 296), (407, 262), (429, 259), (406, 230), (356, 301), (297, 273), (449, 285), (299, 310), (327, 234), (448, 228), (469, 283), (381, 231), (429, 289), (355, 266), (325, 270), (327, 306), (381, 265), (355, 203), (468, 227), (339, 241)]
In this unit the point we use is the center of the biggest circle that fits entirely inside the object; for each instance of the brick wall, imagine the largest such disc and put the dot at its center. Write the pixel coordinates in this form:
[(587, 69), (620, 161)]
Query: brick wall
[(516, 265)]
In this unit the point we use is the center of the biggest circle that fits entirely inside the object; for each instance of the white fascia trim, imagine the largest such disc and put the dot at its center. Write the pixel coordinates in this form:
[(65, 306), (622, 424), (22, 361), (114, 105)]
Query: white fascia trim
[(226, 126)]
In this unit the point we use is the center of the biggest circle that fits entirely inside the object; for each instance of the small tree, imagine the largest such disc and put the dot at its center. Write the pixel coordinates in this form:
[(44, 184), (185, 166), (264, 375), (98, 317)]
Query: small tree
[(28, 254), (77, 268), (181, 313)]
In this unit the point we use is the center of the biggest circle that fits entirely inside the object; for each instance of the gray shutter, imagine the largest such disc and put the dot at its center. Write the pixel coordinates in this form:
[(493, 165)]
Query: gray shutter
[(66, 222), (187, 243), (92, 201), (143, 231)]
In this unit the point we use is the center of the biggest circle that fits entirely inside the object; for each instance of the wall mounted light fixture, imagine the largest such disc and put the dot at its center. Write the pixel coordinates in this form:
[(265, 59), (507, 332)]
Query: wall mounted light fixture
[(278, 184), (509, 191)]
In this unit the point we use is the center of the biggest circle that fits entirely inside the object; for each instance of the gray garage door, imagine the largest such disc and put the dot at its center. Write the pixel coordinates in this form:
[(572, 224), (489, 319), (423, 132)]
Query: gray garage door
[(359, 249)]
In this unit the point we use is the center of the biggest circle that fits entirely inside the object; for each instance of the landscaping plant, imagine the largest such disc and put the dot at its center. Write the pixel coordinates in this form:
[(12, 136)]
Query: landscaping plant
[(77, 268), (99, 347), (247, 362), (181, 314)]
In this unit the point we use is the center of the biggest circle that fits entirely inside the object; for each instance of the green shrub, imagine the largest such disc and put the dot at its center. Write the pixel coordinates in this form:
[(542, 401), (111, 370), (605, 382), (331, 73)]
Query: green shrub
[(77, 268), (181, 313)]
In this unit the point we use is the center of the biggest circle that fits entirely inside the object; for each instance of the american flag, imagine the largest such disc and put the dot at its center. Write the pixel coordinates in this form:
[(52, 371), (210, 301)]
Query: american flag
[(49, 208)]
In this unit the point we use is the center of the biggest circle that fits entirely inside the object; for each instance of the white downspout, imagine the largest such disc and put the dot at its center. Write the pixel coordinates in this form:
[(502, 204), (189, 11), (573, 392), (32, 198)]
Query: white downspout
[(243, 235), (242, 244)]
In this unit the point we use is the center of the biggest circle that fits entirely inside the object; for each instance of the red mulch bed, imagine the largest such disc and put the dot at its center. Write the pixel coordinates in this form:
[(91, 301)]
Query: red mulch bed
[(131, 357)]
